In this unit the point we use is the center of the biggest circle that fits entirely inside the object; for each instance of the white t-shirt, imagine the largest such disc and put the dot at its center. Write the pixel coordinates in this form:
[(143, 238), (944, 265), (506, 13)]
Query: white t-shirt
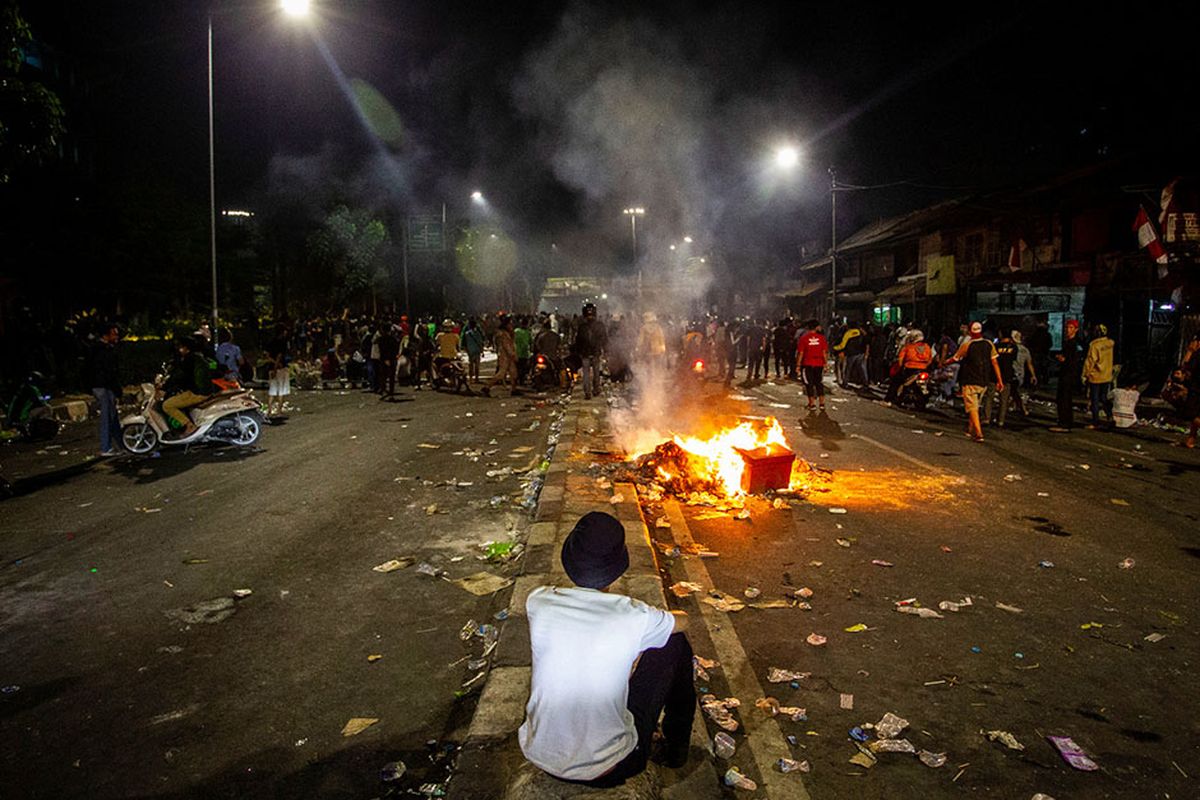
[(584, 644)]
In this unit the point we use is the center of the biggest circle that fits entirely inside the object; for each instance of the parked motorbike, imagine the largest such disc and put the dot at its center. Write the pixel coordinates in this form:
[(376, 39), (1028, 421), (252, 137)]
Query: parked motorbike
[(550, 373), (231, 416), (29, 411), (915, 391), (449, 374)]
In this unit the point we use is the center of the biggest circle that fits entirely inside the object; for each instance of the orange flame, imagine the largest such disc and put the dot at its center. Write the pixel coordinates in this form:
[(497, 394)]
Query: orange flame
[(716, 458)]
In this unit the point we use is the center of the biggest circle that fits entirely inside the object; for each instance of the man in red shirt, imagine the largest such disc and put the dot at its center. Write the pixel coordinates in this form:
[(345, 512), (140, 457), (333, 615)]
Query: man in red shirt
[(811, 351)]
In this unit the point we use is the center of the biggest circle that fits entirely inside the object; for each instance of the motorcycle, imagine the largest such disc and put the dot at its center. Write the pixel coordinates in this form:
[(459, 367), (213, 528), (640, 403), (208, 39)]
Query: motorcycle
[(231, 416), (915, 391), (30, 413), (550, 373), (449, 374)]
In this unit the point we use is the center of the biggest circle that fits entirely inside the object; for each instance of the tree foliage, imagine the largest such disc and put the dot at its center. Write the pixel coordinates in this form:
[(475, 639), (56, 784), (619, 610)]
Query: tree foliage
[(31, 116), (350, 250)]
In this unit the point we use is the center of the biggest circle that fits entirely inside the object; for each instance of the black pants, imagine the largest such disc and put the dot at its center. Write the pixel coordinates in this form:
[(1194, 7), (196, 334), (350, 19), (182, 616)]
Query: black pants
[(661, 684), (814, 383), (387, 377), (1066, 393)]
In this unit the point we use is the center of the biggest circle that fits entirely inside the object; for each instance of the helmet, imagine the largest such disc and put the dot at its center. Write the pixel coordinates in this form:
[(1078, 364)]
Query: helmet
[(589, 309), (916, 336), (1102, 329)]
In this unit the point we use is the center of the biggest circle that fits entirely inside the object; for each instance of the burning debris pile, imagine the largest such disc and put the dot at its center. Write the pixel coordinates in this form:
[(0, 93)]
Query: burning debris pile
[(751, 457)]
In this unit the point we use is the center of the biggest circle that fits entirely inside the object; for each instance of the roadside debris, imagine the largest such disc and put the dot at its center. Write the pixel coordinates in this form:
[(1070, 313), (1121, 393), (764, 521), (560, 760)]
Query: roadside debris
[(790, 765), (950, 605), (425, 568), (1127, 563), (1072, 754), (724, 745), (1005, 738), (394, 564), (752, 592), (720, 711), (772, 707), (914, 607), (735, 778), (932, 760), (357, 725), (483, 583), (1008, 608), (685, 588), (846, 702), (816, 640), (392, 771)]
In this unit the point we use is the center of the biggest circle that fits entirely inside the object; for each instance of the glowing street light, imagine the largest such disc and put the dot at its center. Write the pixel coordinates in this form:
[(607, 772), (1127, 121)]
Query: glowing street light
[(787, 157), (295, 8), (687, 239), (672, 247), (477, 197)]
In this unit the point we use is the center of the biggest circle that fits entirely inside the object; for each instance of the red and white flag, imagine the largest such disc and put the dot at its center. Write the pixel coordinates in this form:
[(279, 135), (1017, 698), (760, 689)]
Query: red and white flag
[(1015, 254), (1148, 237)]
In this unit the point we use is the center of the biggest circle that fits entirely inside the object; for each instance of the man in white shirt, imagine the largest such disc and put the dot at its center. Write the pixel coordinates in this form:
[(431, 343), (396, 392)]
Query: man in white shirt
[(589, 720)]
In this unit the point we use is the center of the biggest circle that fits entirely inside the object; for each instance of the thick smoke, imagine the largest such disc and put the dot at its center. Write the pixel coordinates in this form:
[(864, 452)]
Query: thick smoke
[(625, 118)]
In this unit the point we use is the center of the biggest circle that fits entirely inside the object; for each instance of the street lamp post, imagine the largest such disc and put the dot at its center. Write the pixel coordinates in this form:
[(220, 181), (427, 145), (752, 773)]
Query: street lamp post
[(292, 8), (833, 190), (633, 213)]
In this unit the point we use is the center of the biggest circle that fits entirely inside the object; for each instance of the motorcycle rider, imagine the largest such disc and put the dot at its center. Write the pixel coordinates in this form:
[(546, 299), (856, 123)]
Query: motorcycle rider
[(914, 357), (189, 384)]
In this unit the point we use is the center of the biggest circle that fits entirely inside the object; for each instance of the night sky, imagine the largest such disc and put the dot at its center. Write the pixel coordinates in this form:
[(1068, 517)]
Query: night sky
[(563, 113)]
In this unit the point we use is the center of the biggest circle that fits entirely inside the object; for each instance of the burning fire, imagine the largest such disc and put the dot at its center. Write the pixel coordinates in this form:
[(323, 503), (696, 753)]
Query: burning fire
[(717, 458)]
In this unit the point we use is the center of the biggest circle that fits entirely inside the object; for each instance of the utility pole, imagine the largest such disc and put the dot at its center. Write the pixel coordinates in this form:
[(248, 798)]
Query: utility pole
[(212, 181), (833, 190)]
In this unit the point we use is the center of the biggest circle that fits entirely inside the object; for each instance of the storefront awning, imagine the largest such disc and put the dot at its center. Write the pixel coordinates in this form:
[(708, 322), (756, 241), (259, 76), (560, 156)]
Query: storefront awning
[(907, 288)]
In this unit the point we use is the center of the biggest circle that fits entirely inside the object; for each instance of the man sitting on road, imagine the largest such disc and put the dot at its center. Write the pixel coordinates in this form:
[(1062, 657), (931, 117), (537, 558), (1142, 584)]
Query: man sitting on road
[(605, 666)]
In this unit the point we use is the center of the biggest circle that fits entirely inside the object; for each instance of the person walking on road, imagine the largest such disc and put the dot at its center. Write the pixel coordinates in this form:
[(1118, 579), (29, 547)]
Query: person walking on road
[(389, 351), (1070, 361), (278, 379), (605, 668), (506, 358), (812, 351), (1098, 372), (229, 356), (979, 365), (106, 385), (1024, 374)]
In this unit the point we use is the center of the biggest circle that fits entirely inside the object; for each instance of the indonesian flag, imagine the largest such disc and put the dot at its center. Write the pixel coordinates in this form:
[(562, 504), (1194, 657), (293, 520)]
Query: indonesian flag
[(1148, 237), (1014, 255)]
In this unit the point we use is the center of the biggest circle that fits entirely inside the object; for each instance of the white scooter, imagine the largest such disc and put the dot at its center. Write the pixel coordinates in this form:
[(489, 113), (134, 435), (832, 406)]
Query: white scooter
[(231, 416)]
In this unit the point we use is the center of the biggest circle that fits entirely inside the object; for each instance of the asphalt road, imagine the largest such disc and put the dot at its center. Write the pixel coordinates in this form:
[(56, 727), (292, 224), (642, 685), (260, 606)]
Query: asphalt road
[(119, 685), (953, 519)]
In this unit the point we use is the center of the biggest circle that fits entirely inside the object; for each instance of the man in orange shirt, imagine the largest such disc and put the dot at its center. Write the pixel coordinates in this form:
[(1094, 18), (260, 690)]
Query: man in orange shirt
[(915, 356)]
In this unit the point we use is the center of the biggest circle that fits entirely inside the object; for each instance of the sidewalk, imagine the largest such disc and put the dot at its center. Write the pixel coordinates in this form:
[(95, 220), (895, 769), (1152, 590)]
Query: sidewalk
[(490, 758)]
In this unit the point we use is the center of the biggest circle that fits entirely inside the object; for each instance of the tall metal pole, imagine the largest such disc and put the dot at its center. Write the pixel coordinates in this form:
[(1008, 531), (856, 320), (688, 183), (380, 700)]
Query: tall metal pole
[(404, 260), (833, 248), (212, 179), (633, 223)]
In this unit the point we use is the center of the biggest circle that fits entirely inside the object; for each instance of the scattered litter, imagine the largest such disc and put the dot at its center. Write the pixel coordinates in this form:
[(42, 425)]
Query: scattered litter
[(950, 605), (1116, 501), (392, 771), (772, 707), (499, 551), (804, 592), (846, 701), (837, 510), (932, 760), (890, 726), (1127, 564), (752, 592), (1087, 626), (780, 405), (1043, 494), (1154, 638), (523, 449), (1046, 564), (720, 711), (763, 605), (946, 549), (425, 568), (1072, 754), (394, 564), (302, 742), (171, 716), (1008, 608), (373, 657), (723, 602), (859, 628), (879, 562), (1005, 738), (357, 725), (842, 542), (919, 611), (431, 509), (1085, 466), (790, 765), (617, 499), (685, 588), (724, 745), (242, 593), (735, 778), (483, 583), (500, 615), (816, 640), (815, 563), (662, 522), (744, 514), (1012, 478), (863, 759), (892, 746), (779, 675), (423, 445), (208, 612)]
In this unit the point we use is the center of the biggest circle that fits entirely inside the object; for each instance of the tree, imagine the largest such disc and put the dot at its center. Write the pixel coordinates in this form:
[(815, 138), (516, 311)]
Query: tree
[(350, 254), (31, 116)]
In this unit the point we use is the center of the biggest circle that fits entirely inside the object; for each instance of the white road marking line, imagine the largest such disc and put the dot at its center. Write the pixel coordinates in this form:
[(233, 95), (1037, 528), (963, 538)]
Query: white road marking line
[(763, 736), (909, 458), (1119, 450)]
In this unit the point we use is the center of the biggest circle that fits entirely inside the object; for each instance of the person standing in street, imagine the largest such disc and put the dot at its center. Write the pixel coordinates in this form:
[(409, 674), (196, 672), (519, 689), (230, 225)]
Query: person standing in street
[(229, 356), (506, 357), (781, 345), (389, 351), (812, 351), (104, 370), (1070, 362), (523, 345), (1024, 374), (979, 365), (278, 379), (590, 342), (1098, 372), (472, 342), (1006, 357)]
